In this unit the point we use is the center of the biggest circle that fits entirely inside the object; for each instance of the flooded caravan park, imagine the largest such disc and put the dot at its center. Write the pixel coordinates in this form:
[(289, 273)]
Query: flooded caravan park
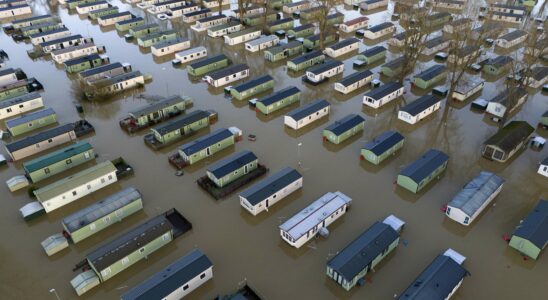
[(248, 248)]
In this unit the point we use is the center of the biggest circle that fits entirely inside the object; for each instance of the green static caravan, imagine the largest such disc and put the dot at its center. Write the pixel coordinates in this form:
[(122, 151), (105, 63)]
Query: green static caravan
[(71, 4), (96, 14), (257, 20), (153, 38), (437, 19), (344, 128), (310, 14), (281, 24), (372, 55), (335, 18), (179, 128), (302, 31), (277, 4), (283, 51), (278, 100), (39, 28), (306, 60), (31, 121), (231, 168), (252, 87), (143, 30), (531, 235), (393, 67), (382, 147), (313, 41), (207, 65), (19, 88), (129, 248), (58, 161), (155, 113), (430, 76), (126, 25), (498, 65), (83, 63), (418, 174), (17, 24)]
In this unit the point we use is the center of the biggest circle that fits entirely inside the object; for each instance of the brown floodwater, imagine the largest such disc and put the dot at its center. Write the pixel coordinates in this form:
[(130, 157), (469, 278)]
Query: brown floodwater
[(243, 247)]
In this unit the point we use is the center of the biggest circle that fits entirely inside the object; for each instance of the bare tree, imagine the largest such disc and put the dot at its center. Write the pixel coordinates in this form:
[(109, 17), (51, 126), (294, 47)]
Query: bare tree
[(324, 9), (243, 5)]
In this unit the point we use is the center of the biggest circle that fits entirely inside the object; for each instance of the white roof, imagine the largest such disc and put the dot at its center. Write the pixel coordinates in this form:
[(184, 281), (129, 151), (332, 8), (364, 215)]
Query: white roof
[(31, 208), (457, 257), (394, 222)]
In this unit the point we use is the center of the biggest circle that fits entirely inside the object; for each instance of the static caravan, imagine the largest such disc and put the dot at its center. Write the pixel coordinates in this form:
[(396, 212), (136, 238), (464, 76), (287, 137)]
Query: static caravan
[(24, 22), (437, 19), (444, 276), (465, 55), (372, 55), (49, 35), (350, 265), (430, 76), (512, 39), (373, 4), (320, 73), (41, 141), (383, 94), (50, 46), (250, 10), (488, 30), (193, 16), (143, 30), (179, 11), (458, 25), (129, 248), (126, 25), (227, 75), (450, 4), (116, 84), (262, 43), (378, 31), (335, 19), (277, 4), (498, 104), (208, 65), (278, 100), (112, 19), (170, 46), (156, 37), (474, 197), (176, 129), (208, 22), (281, 24), (415, 176), (260, 19), (343, 129), (434, 45), (191, 54), (466, 88), (231, 168), (538, 77), (393, 67), (354, 81), (302, 31), (144, 4), (306, 60), (85, 8), (224, 29), (19, 88), (352, 2), (163, 6), (58, 161), (354, 24), (206, 146), (14, 11), (11, 75), (154, 113), (506, 17), (20, 104), (31, 121), (290, 8), (283, 51), (252, 87), (264, 194), (314, 219), (419, 109), (342, 47), (400, 39), (530, 236), (92, 75), (507, 141), (175, 281), (242, 36), (506, 8), (74, 187), (72, 4), (38, 28), (307, 114), (83, 63), (63, 55), (96, 14), (215, 3), (313, 41), (382, 146)]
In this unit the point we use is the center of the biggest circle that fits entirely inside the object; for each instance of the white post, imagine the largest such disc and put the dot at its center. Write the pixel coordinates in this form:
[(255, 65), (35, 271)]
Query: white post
[(299, 153), (55, 293)]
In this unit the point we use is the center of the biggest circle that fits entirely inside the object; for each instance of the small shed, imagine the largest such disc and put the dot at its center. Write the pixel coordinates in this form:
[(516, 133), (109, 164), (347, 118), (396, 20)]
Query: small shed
[(531, 235), (382, 146), (341, 130), (207, 65), (307, 114), (415, 176), (507, 141), (430, 76), (419, 109), (231, 168), (278, 100), (252, 87)]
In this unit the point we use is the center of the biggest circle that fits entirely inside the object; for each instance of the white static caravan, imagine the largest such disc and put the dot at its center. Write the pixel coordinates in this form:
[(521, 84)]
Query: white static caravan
[(144, 4), (466, 88), (510, 9), (11, 75), (208, 22), (179, 11), (314, 219), (215, 3), (383, 94), (352, 2), (328, 69), (191, 54), (193, 16), (85, 8), (13, 11), (307, 114), (512, 39), (264, 194), (170, 47), (343, 47), (64, 42), (63, 55), (372, 4), (507, 17), (19, 105), (474, 198), (354, 81), (119, 82), (242, 36), (47, 36), (222, 30), (251, 10), (379, 31), (538, 77), (435, 45), (290, 8), (497, 104), (112, 19), (262, 43), (227, 75), (74, 187), (354, 24), (419, 109), (458, 25), (450, 4), (164, 6), (543, 167)]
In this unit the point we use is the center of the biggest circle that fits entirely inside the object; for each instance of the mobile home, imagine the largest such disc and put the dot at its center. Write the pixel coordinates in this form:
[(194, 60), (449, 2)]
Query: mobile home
[(179, 11), (63, 55), (206, 146), (14, 11), (116, 84), (435, 45), (465, 55), (107, 71), (499, 104), (278, 100), (208, 65), (383, 94), (458, 25), (242, 36), (343, 47), (430, 76), (306, 60), (62, 43), (283, 51), (49, 35), (419, 109), (193, 16), (378, 31), (307, 114), (319, 73), (143, 30), (156, 37), (24, 22), (208, 22), (281, 24), (354, 24), (354, 81), (259, 20), (506, 17), (96, 14), (83, 63), (19, 88), (31, 121), (252, 87), (10, 75), (224, 29), (437, 19), (313, 41), (112, 19), (466, 88), (163, 6), (538, 77), (415, 176), (170, 46), (343, 129), (302, 31), (382, 147), (507, 8), (290, 8), (372, 55), (373, 4), (512, 39), (262, 43), (227, 75), (20, 104), (393, 67), (179, 128), (85, 8), (26, 32), (126, 25), (154, 113), (191, 54), (507, 141), (530, 236), (231, 168), (450, 4)]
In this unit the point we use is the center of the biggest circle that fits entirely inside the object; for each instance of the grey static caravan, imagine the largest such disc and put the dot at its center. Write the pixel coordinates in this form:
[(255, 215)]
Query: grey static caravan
[(419, 109), (170, 47), (383, 94), (466, 54), (242, 36), (328, 69), (112, 19), (117, 83), (64, 42), (227, 75), (85, 8), (264, 194), (307, 114), (506, 8), (191, 54), (435, 45), (372, 4), (13, 11), (163, 6), (179, 11), (224, 29), (10, 75), (290, 8), (354, 81), (507, 17), (512, 39), (262, 43), (466, 88), (450, 4), (343, 47), (50, 35), (379, 31), (106, 71), (208, 22), (63, 55), (21, 104), (458, 25), (24, 22), (354, 24), (193, 16)]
